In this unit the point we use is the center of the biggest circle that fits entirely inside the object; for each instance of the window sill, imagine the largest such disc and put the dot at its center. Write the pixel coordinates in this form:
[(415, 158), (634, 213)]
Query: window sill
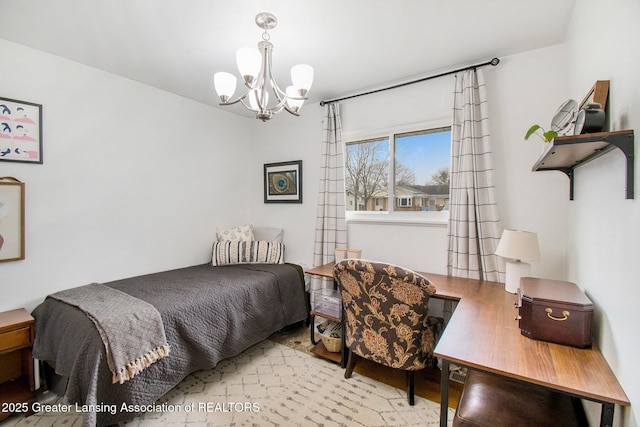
[(432, 219)]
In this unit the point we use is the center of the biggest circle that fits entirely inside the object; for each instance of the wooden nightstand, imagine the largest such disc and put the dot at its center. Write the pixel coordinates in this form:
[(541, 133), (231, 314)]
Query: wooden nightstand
[(17, 387)]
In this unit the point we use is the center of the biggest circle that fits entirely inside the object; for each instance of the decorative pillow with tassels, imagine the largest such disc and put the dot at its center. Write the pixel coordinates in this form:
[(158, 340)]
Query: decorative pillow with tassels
[(247, 252)]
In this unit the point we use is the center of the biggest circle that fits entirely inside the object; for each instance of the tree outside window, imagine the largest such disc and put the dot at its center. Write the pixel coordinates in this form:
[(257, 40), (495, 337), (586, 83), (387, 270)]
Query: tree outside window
[(367, 173)]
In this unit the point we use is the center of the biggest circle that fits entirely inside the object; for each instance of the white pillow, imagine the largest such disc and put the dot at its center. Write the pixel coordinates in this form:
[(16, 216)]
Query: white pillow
[(268, 234), (243, 233), (244, 252)]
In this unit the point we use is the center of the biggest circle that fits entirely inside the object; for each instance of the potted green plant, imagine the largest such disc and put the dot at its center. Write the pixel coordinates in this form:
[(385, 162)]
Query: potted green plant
[(546, 136)]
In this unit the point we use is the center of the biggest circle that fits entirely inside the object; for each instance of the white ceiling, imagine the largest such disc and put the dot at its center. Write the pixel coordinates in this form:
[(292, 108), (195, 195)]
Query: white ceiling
[(177, 45)]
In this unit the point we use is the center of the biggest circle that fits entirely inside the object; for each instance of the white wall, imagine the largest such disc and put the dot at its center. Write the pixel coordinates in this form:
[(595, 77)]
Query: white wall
[(282, 139), (603, 232), (419, 246), (292, 138), (522, 92), (134, 180), (150, 123)]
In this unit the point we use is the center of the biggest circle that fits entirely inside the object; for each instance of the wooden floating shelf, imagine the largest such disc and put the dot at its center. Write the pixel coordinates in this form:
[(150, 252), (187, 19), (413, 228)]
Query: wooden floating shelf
[(565, 153)]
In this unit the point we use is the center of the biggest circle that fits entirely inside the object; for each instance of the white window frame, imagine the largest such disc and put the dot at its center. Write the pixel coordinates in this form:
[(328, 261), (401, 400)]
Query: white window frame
[(404, 201), (429, 218)]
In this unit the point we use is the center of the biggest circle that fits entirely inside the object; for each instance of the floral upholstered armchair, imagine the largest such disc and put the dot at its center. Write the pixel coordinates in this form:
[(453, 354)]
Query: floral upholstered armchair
[(385, 310)]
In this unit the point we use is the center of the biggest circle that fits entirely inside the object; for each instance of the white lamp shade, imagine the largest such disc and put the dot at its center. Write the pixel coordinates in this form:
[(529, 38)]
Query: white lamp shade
[(249, 62), (225, 84), (519, 245), (302, 77), (294, 104)]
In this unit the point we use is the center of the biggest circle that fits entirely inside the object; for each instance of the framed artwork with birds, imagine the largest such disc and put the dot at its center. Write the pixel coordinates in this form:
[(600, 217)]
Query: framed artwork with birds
[(20, 131)]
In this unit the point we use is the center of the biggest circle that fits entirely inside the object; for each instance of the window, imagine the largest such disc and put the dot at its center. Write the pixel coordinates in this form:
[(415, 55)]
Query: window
[(367, 174), (411, 169), (404, 201)]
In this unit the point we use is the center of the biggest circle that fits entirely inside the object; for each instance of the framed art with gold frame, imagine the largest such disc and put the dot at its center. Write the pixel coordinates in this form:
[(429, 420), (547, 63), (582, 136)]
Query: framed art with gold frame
[(11, 219)]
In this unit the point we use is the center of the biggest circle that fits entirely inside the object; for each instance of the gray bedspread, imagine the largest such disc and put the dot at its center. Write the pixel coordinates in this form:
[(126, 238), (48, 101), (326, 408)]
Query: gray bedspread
[(209, 314)]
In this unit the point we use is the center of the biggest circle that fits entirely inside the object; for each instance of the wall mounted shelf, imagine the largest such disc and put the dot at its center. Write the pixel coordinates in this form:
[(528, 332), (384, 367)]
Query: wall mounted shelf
[(565, 153)]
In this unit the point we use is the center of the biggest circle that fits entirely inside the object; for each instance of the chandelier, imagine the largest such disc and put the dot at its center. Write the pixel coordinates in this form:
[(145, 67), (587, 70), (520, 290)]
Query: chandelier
[(255, 69)]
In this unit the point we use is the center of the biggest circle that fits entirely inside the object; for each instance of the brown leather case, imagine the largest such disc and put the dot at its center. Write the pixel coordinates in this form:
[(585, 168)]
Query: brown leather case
[(555, 311)]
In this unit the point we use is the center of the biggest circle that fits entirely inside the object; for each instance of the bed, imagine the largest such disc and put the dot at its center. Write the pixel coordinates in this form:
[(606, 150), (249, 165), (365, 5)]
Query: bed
[(209, 313)]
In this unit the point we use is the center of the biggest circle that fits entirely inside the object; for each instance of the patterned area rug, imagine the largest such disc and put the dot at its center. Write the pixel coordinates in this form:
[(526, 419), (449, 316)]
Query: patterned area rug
[(272, 384), (297, 338)]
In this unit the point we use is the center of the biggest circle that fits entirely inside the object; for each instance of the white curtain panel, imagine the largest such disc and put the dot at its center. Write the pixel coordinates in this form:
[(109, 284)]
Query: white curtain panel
[(474, 219), (331, 226)]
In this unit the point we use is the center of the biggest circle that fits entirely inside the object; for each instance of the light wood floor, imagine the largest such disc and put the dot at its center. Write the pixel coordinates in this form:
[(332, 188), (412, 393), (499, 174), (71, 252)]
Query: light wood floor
[(427, 381)]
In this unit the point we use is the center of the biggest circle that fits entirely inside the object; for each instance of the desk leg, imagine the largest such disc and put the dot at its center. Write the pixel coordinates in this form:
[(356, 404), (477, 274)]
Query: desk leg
[(606, 416), (444, 393)]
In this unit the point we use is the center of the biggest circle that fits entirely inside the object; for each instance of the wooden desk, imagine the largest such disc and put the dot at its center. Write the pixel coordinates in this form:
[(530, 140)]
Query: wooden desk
[(322, 271), (483, 333), (447, 288)]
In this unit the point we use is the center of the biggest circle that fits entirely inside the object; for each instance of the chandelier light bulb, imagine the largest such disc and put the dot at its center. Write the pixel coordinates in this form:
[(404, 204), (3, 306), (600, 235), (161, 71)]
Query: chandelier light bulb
[(225, 84), (302, 78), (249, 61), (294, 104)]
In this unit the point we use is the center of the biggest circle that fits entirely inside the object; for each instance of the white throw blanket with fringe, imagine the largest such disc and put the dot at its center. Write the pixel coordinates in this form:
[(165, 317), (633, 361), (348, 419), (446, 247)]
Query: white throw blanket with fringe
[(131, 329)]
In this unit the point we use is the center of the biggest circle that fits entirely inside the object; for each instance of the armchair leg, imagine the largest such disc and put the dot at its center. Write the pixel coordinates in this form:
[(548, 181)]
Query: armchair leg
[(410, 387), (351, 363)]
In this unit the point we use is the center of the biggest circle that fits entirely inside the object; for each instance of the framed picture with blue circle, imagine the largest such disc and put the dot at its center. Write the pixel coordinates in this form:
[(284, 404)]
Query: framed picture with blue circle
[(283, 182)]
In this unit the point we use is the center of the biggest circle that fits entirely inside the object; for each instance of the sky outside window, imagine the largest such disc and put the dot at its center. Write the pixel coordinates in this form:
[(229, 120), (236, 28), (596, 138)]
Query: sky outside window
[(424, 154)]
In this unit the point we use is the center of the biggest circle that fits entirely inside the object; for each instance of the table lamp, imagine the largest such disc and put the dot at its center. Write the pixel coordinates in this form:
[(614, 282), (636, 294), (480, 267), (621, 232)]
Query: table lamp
[(517, 246)]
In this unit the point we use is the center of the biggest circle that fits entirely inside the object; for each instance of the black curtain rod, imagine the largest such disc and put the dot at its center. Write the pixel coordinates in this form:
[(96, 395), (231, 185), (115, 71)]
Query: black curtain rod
[(493, 62)]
